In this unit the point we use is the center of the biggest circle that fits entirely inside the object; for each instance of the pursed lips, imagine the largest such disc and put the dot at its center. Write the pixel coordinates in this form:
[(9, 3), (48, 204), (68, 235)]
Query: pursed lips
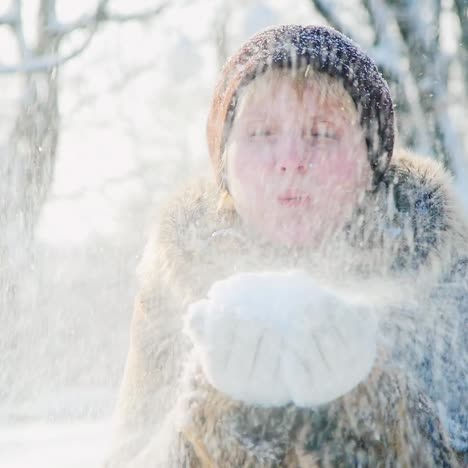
[(294, 199)]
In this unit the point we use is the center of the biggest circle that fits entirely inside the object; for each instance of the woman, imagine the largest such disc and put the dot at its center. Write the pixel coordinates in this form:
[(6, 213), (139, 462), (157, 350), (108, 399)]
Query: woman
[(301, 137)]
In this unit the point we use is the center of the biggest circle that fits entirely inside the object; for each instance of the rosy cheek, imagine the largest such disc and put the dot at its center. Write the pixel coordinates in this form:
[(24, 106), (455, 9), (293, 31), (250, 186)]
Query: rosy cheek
[(252, 164), (340, 165), (346, 162)]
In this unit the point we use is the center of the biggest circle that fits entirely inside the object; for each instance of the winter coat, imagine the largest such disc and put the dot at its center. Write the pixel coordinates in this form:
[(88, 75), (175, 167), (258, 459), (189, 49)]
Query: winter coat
[(404, 248)]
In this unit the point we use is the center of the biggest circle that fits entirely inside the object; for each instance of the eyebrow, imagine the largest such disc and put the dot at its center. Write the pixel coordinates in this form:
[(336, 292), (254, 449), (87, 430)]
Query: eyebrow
[(335, 123), (319, 121), (249, 119), (257, 120)]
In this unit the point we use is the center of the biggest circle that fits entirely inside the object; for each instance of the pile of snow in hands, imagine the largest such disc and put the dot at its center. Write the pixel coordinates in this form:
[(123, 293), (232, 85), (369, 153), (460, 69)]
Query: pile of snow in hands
[(279, 337)]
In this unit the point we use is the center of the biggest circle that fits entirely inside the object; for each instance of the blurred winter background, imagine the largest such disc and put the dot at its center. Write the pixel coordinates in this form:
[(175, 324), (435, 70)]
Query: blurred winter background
[(103, 106)]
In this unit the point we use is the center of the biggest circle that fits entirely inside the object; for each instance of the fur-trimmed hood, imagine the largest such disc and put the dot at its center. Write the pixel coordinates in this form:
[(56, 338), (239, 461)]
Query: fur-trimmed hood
[(413, 226)]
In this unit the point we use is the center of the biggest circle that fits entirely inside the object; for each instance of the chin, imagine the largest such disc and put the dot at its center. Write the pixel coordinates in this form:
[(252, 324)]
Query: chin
[(296, 236)]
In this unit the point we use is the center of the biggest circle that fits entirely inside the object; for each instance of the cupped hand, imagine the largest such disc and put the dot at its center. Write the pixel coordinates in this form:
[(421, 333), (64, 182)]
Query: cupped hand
[(273, 338)]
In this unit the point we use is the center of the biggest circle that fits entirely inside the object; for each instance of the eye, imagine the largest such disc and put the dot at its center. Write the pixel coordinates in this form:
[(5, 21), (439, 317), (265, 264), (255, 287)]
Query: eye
[(321, 132), (261, 132), (328, 134)]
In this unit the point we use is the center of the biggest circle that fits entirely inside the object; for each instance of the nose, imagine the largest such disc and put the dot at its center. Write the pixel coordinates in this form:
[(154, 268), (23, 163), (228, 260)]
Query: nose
[(293, 160)]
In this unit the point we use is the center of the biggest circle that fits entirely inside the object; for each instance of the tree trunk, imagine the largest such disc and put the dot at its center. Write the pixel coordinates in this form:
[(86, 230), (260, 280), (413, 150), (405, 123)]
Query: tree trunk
[(26, 174)]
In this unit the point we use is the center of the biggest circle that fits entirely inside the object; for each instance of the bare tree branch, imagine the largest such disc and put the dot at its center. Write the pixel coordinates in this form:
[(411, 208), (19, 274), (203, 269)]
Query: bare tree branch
[(391, 54), (461, 7), (419, 27), (7, 19), (117, 86), (55, 28), (220, 33), (145, 15), (101, 15), (58, 31), (17, 26), (328, 10), (45, 63)]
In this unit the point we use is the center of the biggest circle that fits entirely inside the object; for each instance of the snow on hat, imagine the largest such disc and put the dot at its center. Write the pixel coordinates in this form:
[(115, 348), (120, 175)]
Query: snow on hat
[(325, 50)]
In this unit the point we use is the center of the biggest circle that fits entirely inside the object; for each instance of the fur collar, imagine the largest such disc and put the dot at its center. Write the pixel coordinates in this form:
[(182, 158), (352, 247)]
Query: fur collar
[(412, 228)]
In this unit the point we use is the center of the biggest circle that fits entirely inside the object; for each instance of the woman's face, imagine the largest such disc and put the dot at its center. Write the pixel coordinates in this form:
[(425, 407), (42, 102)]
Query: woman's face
[(296, 162)]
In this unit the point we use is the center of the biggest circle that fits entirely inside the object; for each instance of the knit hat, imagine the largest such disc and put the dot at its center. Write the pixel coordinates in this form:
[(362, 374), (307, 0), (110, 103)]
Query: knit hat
[(324, 50)]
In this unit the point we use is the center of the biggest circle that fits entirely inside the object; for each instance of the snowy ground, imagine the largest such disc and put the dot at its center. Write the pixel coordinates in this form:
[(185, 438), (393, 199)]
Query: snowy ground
[(54, 445)]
